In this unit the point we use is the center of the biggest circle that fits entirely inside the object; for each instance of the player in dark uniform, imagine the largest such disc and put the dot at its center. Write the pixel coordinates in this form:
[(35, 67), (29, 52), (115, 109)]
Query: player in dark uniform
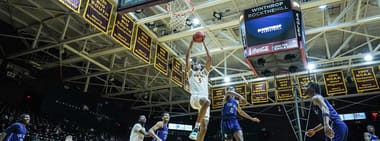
[(335, 129), (159, 131), (370, 135), (16, 131), (230, 125)]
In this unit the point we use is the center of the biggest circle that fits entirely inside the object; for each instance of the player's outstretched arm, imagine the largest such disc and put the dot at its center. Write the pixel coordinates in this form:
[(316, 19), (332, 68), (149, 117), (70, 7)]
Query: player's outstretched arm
[(187, 67), (245, 115), (8, 130), (319, 101), (209, 59), (235, 94), (140, 129), (311, 132), (151, 131)]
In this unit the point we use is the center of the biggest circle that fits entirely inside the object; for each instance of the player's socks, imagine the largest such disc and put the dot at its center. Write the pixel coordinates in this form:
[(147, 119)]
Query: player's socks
[(194, 134)]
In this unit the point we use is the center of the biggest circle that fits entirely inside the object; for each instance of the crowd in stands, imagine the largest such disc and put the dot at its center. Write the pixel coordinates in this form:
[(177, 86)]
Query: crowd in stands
[(42, 129)]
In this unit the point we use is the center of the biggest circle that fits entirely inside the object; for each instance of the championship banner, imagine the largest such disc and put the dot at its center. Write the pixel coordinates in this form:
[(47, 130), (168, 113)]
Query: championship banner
[(284, 89), (143, 45), (176, 73), (334, 83), (122, 30), (161, 59), (242, 90), (217, 95), (74, 5), (304, 80), (98, 13), (259, 92), (365, 79)]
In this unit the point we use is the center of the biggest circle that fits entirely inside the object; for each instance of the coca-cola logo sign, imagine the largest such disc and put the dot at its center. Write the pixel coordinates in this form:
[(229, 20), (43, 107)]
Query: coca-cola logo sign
[(258, 50)]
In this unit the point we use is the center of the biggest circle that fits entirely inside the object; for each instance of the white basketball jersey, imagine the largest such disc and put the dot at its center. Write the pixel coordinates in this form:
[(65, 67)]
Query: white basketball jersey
[(198, 81), (136, 135)]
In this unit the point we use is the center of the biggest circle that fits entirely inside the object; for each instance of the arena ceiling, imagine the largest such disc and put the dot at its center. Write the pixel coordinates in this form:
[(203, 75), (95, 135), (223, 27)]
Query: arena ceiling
[(337, 37)]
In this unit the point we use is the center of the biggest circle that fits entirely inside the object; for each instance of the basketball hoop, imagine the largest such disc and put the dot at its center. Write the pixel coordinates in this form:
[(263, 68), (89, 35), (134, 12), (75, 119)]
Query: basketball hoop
[(179, 11)]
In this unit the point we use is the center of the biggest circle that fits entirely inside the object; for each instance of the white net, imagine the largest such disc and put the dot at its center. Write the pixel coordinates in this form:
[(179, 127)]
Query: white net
[(177, 23), (179, 11)]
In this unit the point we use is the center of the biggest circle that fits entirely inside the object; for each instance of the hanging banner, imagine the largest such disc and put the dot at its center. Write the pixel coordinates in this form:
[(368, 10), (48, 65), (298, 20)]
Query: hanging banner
[(304, 80), (217, 95), (98, 13), (161, 59), (143, 45), (365, 79), (176, 73), (242, 90), (284, 89), (334, 83), (122, 30), (74, 5), (259, 92)]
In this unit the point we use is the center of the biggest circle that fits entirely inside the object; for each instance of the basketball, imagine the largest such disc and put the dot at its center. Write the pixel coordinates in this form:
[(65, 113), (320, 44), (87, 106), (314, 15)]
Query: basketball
[(199, 37)]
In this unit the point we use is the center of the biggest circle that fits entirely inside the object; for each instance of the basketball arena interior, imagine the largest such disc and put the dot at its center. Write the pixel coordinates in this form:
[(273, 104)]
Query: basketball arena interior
[(89, 68)]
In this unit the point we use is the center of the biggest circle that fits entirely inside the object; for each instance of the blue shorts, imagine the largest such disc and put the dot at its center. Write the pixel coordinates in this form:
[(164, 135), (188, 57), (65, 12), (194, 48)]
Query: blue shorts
[(228, 128), (341, 131)]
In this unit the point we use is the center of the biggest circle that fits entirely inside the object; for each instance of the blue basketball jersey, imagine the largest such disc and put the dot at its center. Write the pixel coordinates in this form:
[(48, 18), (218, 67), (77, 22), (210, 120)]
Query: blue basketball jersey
[(339, 127), (15, 132), (162, 133), (333, 114), (229, 109), (373, 137)]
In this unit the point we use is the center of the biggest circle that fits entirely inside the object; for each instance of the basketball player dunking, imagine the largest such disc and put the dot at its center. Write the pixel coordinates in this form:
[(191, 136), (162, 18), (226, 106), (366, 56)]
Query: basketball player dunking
[(198, 81)]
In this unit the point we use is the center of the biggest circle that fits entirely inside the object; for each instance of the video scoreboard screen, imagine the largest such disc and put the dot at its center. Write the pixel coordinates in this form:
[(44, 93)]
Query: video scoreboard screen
[(271, 28), (132, 5)]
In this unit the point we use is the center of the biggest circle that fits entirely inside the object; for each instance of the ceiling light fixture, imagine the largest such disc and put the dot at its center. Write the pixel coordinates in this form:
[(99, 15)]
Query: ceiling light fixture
[(368, 57), (196, 21), (227, 79), (311, 66), (322, 6)]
